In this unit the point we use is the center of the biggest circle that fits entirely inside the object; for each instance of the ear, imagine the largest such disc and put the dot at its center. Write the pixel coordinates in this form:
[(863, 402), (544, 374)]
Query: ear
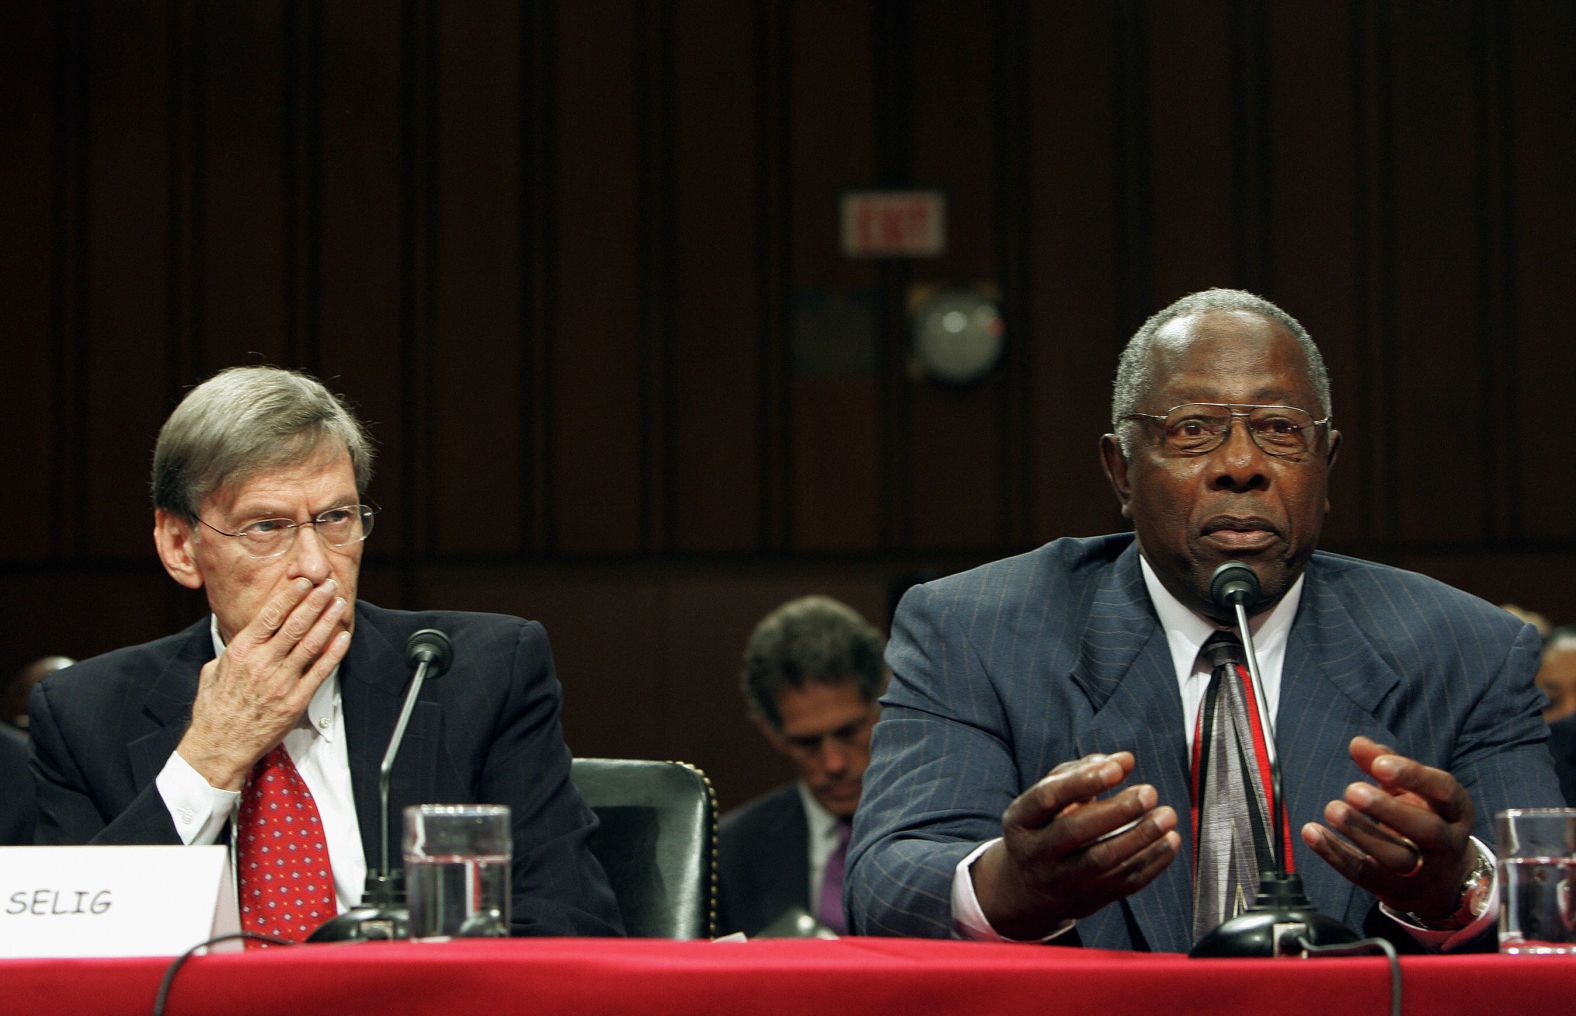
[(1329, 462), (174, 537), (1115, 465)]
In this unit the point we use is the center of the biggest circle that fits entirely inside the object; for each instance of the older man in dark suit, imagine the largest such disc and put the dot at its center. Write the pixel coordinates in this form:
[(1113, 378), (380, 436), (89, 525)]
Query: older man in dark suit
[(283, 700), (1027, 692)]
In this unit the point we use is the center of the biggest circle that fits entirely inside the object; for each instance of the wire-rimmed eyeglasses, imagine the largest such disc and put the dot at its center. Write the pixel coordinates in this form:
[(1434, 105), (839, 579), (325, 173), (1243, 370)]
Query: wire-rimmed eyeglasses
[(337, 527), (1198, 428)]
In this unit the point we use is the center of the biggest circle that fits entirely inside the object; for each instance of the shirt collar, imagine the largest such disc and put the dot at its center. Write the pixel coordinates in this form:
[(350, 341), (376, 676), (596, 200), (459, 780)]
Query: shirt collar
[(321, 712), (1186, 631)]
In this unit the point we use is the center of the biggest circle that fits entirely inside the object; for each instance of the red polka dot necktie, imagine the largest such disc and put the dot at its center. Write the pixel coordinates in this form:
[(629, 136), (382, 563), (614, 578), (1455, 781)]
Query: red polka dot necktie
[(285, 883)]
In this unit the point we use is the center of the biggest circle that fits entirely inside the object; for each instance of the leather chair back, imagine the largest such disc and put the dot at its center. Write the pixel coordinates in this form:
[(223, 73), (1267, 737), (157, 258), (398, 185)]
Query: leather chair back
[(657, 842)]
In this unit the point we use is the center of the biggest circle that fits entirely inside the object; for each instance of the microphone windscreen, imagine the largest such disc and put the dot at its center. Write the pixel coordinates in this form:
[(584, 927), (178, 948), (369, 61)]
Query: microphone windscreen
[(1234, 583), (432, 647)]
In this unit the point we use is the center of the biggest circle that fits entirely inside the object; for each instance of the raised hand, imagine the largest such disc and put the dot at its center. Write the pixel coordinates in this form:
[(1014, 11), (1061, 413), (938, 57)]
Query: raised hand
[(1065, 853), (248, 698), (1405, 838)]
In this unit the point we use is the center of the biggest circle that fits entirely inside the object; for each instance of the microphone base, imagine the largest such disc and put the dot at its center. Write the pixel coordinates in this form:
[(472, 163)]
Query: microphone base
[(381, 917), (1281, 914), (366, 924)]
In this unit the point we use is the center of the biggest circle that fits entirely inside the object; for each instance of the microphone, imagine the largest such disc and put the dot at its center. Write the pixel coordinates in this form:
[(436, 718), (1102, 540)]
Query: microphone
[(1281, 921), (382, 914)]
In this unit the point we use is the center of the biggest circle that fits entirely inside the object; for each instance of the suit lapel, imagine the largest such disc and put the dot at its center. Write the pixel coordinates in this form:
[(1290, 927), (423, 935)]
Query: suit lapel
[(372, 681), (1125, 670), (1331, 685), (168, 703)]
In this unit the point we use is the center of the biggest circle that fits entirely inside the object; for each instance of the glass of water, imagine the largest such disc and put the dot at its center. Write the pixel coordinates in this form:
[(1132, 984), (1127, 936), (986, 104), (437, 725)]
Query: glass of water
[(457, 870), (1537, 865)]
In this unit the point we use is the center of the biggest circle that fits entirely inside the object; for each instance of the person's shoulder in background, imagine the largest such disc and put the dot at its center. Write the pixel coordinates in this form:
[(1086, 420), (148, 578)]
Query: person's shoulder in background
[(18, 801), (1562, 745)]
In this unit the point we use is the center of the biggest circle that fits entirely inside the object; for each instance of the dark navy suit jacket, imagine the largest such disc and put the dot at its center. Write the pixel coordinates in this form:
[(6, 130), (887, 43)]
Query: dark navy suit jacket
[(487, 731), (16, 790), (1002, 672), (765, 862)]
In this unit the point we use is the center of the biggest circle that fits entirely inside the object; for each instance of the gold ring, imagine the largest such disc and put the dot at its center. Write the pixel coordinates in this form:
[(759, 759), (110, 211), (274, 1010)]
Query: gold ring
[(1417, 864)]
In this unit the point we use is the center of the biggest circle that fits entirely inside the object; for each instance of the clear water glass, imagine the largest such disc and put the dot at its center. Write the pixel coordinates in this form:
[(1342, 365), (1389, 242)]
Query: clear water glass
[(457, 870), (1537, 881)]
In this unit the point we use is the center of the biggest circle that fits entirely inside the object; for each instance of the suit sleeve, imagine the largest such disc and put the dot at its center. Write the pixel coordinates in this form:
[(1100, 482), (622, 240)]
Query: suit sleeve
[(941, 773), (558, 886), (1497, 750), (68, 812), (1501, 753)]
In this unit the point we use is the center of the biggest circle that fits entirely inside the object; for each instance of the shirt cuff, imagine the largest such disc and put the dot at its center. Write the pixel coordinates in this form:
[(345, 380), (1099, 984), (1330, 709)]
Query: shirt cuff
[(1444, 941), (198, 810), (968, 920)]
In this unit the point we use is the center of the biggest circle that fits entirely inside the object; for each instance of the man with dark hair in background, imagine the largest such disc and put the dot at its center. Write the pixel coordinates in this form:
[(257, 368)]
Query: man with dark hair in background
[(283, 699), (812, 674), (1027, 692)]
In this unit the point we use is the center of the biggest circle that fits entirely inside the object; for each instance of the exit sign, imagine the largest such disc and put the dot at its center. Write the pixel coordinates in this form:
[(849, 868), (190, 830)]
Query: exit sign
[(894, 223)]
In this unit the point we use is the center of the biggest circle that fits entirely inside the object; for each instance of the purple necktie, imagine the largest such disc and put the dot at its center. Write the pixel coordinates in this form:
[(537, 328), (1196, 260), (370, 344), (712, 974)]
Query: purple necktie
[(830, 910)]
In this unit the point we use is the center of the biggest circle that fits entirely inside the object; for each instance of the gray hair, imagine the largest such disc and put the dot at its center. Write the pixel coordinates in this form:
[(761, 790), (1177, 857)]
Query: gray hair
[(1134, 370), (245, 420), (813, 638)]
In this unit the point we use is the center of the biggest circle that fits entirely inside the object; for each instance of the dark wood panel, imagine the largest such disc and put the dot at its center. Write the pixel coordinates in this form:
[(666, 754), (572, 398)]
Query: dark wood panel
[(1077, 334), (832, 144), (954, 435), (479, 413), (954, 442), (835, 484), (234, 153), (598, 502), (83, 613), (832, 472), (953, 140), (1540, 315), (608, 644), (714, 378), (32, 183), (1436, 347), (127, 264), (1190, 112), (363, 243)]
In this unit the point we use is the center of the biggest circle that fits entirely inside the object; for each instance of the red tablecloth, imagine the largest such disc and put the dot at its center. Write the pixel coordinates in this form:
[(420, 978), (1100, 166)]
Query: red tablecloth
[(899, 977)]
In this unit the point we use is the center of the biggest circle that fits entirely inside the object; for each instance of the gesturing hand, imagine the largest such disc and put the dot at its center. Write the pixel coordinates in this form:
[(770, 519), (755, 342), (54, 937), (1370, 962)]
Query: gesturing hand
[(249, 697), (1064, 854), (1407, 840)]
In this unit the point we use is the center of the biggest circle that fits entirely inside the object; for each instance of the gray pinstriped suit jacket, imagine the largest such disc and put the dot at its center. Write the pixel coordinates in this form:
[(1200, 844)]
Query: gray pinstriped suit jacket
[(1002, 672)]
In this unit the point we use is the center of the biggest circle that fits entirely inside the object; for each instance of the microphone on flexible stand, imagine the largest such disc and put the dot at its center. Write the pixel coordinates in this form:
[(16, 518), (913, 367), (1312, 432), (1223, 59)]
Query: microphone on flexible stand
[(1281, 918), (382, 914)]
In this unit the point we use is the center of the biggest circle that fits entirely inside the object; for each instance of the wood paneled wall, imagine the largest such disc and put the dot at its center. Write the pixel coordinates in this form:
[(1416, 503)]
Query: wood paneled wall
[(559, 255)]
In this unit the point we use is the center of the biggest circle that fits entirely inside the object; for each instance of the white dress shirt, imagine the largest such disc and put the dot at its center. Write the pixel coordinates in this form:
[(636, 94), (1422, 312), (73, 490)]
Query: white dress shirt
[(1186, 633), (317, 747)]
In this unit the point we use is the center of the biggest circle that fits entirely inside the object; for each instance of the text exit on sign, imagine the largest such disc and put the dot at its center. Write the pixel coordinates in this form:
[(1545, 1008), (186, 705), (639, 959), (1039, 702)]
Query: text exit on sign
[(894, 223)]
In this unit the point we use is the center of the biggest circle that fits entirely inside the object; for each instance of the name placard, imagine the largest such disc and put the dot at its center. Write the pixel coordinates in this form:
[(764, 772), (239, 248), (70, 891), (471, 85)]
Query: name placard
[(114, 901)]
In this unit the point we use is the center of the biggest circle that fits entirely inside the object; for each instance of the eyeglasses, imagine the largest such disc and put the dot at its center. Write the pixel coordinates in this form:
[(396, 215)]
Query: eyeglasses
[(338, 527), (1198, 428)]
